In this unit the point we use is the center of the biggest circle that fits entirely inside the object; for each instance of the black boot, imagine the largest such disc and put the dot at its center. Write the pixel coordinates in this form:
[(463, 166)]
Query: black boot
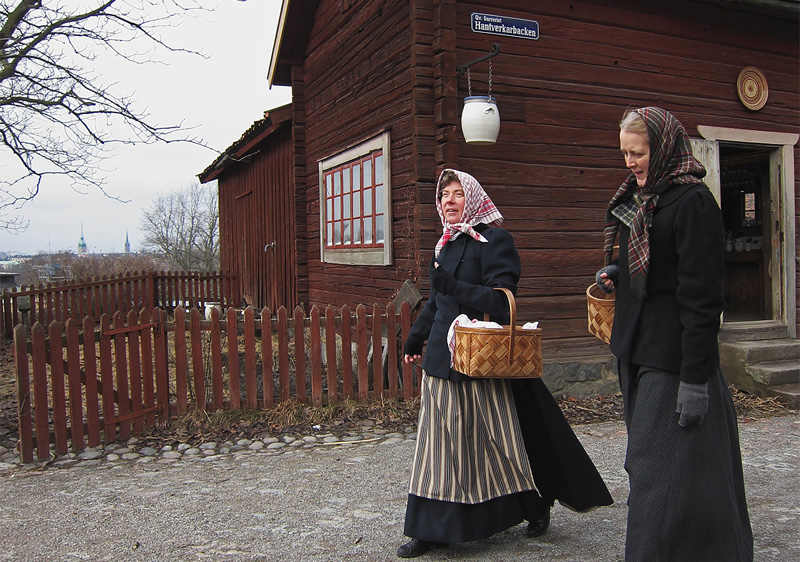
[(537, 527), (416, 547)]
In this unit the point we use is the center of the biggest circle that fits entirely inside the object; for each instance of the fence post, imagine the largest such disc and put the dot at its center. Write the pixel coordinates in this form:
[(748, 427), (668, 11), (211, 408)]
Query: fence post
[(24, 421), (408, 375), (300, 355), (316, 358), (347, 353), (216, 361), (90, 368), (266, 358), (107, 380), (181, 377), (198, 370), (162, 366), (74, 378), (361, 344), (251, 382), (283, 354), (377, 352), (135, 371), (391, 349), (233, 359), (330, 352)]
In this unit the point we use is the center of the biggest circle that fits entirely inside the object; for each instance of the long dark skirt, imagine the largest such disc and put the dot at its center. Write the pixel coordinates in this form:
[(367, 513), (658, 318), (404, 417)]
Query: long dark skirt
[(687, 499), (561, 468)]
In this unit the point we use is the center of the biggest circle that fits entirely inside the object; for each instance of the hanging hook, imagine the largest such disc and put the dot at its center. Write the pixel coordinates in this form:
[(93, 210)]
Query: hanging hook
[(494, 52)]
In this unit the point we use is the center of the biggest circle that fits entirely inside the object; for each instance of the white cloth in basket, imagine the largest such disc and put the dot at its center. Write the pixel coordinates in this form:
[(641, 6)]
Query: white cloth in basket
[(464, 320)]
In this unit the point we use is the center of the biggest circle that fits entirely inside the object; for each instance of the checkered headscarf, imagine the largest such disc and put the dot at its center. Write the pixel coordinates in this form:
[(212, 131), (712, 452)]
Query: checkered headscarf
[(671, 162), (478, 208)]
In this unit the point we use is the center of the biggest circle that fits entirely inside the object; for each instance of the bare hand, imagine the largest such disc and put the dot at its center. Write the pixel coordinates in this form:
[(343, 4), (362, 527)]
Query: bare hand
[(411, 358)]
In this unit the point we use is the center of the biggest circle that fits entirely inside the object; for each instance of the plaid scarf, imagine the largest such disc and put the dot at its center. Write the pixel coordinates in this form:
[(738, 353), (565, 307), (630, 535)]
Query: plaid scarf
[(671, 162), (478, 209)]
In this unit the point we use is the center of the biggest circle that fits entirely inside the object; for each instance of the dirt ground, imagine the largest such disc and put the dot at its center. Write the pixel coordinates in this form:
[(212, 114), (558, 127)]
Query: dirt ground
[(338, 419)]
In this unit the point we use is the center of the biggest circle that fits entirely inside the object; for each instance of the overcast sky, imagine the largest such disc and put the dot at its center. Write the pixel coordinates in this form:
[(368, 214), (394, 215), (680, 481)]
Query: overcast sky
[(220, 96)]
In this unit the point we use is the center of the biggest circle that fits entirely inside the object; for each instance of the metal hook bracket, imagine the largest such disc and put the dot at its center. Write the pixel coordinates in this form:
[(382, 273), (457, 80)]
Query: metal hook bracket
[(464, 67)]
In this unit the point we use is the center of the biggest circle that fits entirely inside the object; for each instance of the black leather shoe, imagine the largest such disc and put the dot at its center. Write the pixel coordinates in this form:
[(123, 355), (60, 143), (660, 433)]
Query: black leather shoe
[(538, 527), (416, 547)]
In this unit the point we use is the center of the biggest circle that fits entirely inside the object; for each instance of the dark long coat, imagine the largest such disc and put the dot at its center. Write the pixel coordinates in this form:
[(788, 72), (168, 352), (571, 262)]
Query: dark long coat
[(561, 468)]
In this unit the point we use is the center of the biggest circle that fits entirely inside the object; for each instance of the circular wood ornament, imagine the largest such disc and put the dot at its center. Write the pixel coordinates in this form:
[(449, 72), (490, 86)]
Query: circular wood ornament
[(751, 85)]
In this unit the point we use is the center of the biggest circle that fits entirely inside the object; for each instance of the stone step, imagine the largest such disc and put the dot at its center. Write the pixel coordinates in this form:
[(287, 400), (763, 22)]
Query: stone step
[(786, 393), (752, 331), (758, 351), (775, 372)]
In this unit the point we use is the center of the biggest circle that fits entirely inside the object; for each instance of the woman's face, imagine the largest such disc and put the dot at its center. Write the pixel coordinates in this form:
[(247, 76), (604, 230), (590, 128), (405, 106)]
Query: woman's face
[(635, 149), (453, 198)]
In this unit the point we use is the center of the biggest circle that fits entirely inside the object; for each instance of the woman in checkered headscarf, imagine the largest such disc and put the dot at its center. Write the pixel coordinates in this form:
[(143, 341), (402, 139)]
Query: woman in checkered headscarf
[(687, 498), (490, 453)]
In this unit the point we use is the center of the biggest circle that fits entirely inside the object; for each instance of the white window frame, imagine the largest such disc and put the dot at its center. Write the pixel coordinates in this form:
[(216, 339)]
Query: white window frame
[(358, 256)]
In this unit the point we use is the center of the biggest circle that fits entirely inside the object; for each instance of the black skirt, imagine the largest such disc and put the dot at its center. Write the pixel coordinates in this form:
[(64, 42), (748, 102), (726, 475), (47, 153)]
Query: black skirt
[(561, 468)]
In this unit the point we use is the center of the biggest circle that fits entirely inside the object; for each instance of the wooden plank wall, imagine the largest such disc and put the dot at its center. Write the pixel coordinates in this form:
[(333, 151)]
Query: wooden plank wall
[(371, 66), (257, 209), (357, 84), (556, 162)]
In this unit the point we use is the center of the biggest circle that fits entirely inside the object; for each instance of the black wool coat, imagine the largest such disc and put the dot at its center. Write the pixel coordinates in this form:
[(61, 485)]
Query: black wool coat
[(478, 267), (675, 327), (561, 468)]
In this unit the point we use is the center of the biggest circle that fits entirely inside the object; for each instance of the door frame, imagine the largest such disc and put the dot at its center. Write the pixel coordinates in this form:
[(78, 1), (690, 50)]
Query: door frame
[(781, 162)]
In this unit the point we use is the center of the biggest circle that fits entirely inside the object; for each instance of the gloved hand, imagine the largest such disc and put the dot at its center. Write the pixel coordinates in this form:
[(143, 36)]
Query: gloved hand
[(692, 403), (443, 282), (413, 346), (612, 271)]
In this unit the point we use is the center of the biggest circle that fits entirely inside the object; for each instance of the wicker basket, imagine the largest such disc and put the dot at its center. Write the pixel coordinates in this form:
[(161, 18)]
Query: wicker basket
[(601, 312), (494, 353)]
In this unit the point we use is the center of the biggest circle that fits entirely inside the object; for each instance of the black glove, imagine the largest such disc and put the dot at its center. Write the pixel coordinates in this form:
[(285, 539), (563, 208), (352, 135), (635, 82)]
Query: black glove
[(692, 403), (613, 273), (443, 282), (413, 346)]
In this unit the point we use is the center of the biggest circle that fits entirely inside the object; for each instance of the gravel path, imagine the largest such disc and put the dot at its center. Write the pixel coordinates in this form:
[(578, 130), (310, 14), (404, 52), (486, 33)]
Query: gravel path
[(339, 501)]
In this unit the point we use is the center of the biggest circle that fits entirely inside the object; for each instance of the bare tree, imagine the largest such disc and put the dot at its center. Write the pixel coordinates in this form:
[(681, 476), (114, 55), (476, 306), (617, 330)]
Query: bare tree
[(56, 116), (183, 226)]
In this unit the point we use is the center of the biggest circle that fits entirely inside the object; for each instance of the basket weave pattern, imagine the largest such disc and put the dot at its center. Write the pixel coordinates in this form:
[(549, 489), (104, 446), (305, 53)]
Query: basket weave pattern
[(510, 352), (601, 312)]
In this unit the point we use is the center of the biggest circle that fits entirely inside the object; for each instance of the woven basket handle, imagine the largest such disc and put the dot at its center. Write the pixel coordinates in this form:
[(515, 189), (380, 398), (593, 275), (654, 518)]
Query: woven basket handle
[(512, 307)]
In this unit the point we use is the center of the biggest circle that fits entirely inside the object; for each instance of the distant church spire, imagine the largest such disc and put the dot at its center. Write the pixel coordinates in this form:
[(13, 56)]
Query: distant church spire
[(82, 249), (127, 243)]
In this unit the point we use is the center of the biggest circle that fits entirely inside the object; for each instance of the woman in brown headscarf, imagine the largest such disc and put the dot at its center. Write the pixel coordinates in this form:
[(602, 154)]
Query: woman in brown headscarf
[(687, 499)]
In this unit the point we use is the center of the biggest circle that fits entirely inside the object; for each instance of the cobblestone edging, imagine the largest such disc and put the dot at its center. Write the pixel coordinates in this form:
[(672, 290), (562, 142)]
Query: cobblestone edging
[(134, 451)]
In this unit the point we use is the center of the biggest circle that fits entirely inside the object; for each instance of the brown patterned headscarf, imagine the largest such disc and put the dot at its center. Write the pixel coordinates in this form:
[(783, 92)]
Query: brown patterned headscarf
[(671, 162)]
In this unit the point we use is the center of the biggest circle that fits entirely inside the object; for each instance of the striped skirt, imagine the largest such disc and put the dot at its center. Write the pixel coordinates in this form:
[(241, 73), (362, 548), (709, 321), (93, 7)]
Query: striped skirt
[(469, 444)]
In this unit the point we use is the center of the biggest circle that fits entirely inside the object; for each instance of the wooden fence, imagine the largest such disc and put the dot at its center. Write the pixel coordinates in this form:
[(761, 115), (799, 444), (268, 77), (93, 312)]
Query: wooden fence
[(84, 383), (107, 295)]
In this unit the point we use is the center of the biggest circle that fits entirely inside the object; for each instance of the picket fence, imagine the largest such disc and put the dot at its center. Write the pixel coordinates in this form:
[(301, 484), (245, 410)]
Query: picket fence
[(85, 383), (120, 293)]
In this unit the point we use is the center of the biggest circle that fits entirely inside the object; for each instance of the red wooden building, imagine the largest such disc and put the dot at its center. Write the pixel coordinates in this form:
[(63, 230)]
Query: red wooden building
[(331, 198)]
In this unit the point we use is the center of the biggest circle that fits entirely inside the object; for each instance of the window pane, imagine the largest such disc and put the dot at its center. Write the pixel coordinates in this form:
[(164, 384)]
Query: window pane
[(379, 196), (357, 204), (328, 185), (337, 208), (356, 176), (379, 229), (367, 202), (329, 210), (329, 237), (378, 169), (346, 177), (357, 231), (346, 213), (337, 182), (367, 172), (368, 231), (337, 233), (346, 232)]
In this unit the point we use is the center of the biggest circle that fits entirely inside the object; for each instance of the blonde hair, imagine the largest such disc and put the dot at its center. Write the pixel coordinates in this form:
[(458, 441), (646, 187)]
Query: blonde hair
[(632, 122)]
